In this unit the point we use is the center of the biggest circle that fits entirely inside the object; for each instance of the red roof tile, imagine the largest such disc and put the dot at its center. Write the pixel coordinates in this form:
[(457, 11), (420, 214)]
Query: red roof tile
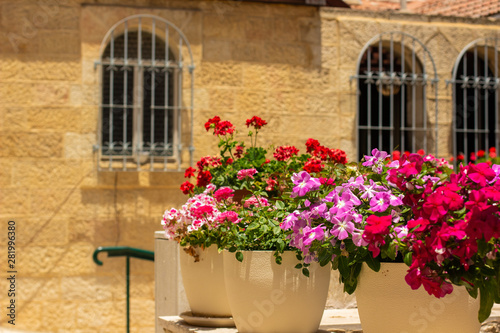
[(464, 8)]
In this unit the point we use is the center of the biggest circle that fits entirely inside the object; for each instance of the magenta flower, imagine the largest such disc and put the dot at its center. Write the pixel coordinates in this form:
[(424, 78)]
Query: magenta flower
[(369, 191), (229, 216), (304, 183), (341, 228), (318, 210), (357, 239), (246, 173), (376, 160), (401, 232), (378, 225), (254, 201), (434, 206), (380, 202), (343, 203), (481, 173), (289, 221), (223, 193), (377, 157), (312, 234)]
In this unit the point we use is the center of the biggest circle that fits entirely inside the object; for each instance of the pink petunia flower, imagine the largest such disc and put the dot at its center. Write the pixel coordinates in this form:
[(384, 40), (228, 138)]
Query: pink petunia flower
[(246, 173)]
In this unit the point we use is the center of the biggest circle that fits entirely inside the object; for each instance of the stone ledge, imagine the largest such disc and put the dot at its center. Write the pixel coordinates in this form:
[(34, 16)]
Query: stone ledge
[(334, 320)]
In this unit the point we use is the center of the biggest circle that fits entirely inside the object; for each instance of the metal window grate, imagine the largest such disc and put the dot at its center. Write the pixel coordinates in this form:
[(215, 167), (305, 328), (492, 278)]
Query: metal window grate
[(475, 84), (146, 96), (393, 82)]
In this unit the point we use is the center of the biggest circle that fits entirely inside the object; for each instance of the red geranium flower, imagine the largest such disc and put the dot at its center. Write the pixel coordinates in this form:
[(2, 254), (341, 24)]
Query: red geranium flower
[(256, 122), (187, 187), (223, 128), (212, 123), (189, 172), (312, 145), (203, 179), (239, 151), (396, 155), (284, 153), (313, 165)]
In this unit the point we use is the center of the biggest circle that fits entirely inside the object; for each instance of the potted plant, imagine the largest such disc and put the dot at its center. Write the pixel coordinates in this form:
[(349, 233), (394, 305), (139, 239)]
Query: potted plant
[(443, 225), (258, 260), (195, 227)]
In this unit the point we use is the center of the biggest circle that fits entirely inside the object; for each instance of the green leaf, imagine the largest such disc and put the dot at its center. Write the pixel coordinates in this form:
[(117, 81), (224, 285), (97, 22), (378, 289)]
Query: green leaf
[(324, 257), (350, 288), (344, 267), (373, 263), (485, 305), (239, 256), (305, 271), (279, 204), (298, 266), (408, 258), (253, 225)]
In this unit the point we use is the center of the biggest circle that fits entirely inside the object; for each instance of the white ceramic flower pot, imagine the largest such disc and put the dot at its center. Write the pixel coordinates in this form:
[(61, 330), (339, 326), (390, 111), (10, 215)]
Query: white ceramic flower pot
[(386, 303), (204, 283), (266, 297)]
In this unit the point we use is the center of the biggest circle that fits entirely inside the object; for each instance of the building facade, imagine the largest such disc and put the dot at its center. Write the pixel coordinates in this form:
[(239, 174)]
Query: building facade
[(102, 106)]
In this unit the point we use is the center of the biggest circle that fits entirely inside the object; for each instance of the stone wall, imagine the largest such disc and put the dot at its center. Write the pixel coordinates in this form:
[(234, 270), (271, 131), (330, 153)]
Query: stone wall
[(288, 64)]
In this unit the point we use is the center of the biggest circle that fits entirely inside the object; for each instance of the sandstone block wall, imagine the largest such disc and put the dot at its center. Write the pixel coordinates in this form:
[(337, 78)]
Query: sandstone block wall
[(290, 65)]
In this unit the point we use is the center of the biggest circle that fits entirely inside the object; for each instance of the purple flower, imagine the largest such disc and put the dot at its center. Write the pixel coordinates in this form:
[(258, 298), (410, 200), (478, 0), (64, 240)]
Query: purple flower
[(304, 183), (290, 220), (342, 228), (318, 210), (369, 191), (344, 203), (394, 200), (401, 232), (355, 183), (357, 238), (380, 202), (312, 234), (376, 160)]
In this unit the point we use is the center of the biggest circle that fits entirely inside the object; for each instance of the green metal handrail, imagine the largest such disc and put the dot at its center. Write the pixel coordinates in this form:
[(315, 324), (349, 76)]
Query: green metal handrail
[(128, 252)]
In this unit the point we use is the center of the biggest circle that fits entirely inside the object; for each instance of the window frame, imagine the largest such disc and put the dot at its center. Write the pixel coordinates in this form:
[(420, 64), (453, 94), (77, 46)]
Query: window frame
[(475, 82), (407, 44), (174, 69)]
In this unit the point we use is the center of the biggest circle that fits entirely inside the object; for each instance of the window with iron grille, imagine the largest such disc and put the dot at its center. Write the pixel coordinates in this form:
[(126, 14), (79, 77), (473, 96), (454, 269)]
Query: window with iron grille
[(392, 96), (142, 100), (475, 98)]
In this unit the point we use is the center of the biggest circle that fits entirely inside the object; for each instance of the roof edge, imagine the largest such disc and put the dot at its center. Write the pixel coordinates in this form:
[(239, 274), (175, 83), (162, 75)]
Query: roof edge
[(315, 3)]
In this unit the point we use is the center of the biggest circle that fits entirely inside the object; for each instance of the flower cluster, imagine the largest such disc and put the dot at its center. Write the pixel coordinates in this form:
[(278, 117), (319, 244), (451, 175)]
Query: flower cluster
[(455, 232), (241, 196), (250, 168), (444, 225), (202, 210), (482, 156)]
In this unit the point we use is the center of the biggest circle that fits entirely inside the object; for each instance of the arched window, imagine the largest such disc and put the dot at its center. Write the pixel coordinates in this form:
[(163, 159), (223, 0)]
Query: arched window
[(475, 98), (392, 96), (142, 102)]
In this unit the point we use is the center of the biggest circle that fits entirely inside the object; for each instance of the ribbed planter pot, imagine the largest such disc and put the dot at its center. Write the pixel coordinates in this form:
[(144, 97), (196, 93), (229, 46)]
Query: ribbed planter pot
[(386, 303), (204, 283), (269, 298)]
